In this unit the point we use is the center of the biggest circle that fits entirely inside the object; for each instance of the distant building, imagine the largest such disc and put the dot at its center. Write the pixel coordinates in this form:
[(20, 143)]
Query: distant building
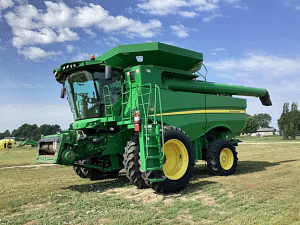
[(266, 132)]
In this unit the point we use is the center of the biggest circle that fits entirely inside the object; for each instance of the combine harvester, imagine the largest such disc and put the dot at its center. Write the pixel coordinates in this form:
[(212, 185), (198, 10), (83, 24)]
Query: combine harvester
[(141, 108), (28, 142)]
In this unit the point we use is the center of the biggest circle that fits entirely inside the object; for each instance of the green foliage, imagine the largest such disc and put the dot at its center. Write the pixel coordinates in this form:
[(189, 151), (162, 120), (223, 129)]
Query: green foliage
[(5, 134), (263, 119), (289, 121), (34, 132), (251, 125)]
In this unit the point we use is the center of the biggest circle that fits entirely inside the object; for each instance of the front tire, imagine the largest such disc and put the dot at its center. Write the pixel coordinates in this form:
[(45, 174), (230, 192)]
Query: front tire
[(221, 158), (132, 163), (79, 171), (179, 161)]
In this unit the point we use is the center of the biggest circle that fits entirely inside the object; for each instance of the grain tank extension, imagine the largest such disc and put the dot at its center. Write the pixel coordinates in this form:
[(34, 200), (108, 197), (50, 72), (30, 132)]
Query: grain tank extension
[(141, 108)]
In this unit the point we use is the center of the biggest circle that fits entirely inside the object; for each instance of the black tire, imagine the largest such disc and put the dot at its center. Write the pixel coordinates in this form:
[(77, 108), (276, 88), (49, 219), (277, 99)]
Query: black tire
[(175, 185), (79, 171), (132, 163), (221, 158), (94, 174), (9, 145)]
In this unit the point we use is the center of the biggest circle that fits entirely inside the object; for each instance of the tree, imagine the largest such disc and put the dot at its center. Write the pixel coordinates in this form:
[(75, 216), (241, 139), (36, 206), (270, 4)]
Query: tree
[(264, 119), (251, 125), (34, 132), (25, 131), (47, 129), (289, 121), (295, 120)]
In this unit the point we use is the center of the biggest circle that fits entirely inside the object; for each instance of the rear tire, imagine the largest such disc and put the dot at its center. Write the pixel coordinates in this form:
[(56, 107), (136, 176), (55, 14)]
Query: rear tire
[(132, 164), (221, 158), (179, 161)]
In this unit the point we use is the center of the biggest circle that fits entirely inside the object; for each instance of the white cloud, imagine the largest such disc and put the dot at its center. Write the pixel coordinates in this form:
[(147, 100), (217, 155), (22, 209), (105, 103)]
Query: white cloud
[(43, 35), (220, 49), (35, 53), (90, 32), (6, 3), (180, 30), (13, 116), (32, 26), (70, 48), (205, 5), (210, 18), (111, 41), (158, 7), (259, 64), (81, 57), (189, 14), (166, 7)]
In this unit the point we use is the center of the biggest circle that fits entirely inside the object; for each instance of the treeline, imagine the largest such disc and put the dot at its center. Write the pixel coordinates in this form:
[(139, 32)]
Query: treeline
[(253, 123), (289, 121), (31, 131)]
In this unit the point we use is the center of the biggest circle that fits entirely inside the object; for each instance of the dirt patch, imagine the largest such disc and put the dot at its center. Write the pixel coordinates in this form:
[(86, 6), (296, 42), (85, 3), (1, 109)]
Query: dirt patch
[(146, 195), (32, 222), (205, 199), (150, 196), (104, 221), (186, 217), (230, 194), (32, 207), (72, 213)]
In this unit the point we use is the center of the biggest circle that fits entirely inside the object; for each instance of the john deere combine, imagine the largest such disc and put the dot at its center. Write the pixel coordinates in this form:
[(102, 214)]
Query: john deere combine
[(141, 108)]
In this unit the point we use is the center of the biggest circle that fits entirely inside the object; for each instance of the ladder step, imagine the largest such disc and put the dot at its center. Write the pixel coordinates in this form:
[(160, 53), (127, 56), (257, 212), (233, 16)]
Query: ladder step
[(153, 146), (154, 168), (153, 135), (153, 157)]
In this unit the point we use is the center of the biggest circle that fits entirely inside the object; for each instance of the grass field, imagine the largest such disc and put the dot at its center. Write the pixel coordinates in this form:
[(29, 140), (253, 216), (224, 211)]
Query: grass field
[(264, 190)]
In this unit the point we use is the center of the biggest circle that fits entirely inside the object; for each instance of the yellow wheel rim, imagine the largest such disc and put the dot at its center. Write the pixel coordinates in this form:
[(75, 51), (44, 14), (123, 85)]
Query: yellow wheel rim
[(226, 159), (177, 159)]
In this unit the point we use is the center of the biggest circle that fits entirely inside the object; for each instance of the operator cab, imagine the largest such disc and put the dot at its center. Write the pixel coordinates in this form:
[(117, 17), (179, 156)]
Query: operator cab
[(89, 91)]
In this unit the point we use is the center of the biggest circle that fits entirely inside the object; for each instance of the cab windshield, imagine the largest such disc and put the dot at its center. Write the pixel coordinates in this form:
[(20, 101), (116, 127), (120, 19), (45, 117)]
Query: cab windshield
[(88, 92)]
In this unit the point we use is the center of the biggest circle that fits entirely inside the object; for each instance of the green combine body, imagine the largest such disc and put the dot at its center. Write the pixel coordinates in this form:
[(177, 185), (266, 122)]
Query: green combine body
[(28, 141), (141, 108)]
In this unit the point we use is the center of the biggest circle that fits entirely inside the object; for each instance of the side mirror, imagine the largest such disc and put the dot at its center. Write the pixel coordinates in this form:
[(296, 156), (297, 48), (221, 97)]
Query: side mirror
[(108, 72), (63, 92)]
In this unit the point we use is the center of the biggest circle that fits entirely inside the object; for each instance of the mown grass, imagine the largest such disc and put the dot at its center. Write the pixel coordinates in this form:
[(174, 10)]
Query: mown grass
[(264, 190), (17, 156)]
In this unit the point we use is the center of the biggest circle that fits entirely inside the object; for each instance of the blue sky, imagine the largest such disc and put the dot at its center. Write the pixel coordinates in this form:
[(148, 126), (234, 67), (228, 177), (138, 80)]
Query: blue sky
[(251, 43)]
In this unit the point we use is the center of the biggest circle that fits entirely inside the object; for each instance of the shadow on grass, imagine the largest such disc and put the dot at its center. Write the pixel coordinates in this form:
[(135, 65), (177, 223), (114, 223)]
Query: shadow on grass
[(121, 181), (100, 186), (244, 167), (200, 171)]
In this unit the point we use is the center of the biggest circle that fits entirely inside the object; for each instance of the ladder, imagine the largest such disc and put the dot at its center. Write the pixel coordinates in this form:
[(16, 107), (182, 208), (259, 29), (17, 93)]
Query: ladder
[(151, 134)]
